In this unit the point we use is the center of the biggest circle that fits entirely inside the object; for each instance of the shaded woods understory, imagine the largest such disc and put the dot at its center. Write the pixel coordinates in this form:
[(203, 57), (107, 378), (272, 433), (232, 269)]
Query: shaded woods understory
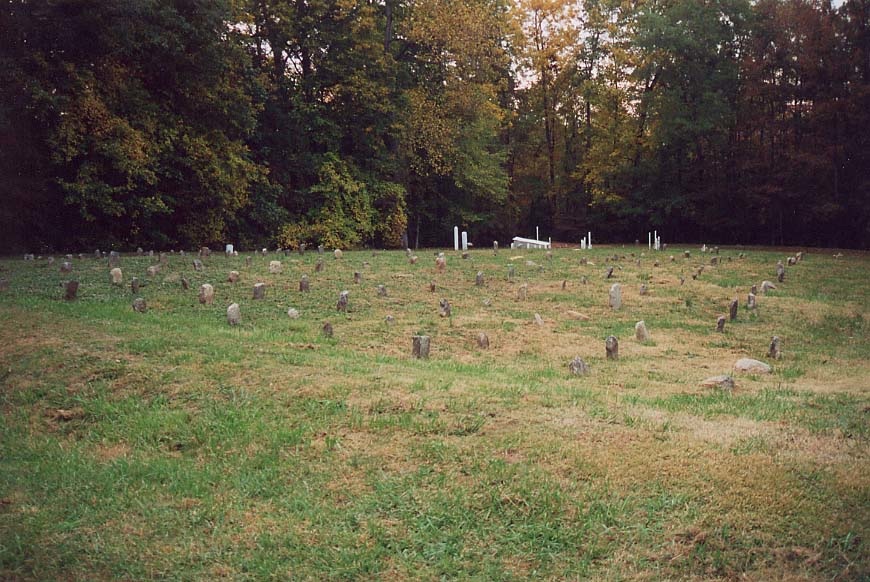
[(351, 123)]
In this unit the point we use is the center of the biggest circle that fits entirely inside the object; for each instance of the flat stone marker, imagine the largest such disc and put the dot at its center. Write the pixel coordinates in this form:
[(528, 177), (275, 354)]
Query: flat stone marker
[(482, 341), (732, 310), (478, 279), (615, 296), (117, 276), (444, 308), (197, 265), (206, 294), (752, 366), (343, 299), (420, 347), (724, 382), (750, 301), (139, 305), (774, 352), (578, 367), (234, 277), (134, 286), (293, 313), (382, 291), (304, 284), (275, 267), (327, 330), (259, 291), (611, 346), (720, 324), (640, 331), (234, 314), (71, 289), (337, 253)]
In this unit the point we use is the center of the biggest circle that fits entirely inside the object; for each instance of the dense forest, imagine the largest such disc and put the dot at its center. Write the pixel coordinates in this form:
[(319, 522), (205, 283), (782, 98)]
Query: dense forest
[(177, 123)]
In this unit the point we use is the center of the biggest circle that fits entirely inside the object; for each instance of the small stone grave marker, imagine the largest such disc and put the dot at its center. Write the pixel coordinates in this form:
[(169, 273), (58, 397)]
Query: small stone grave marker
[(206, 294), (611, 346), (234, 314), (420, 346)]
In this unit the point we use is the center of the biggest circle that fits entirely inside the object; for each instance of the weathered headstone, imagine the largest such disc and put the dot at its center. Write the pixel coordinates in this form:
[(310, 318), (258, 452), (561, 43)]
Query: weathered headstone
[(444, 308), (539, 321), (432, 287), (71, 289), (327, 330), (799, 257), (357, 277), (204, 252), (578, 367), (197, 265), (382, 291), (343, 299), (337, 253), (413, 259), (750, 301), (767, 286), (584, 280), (478, 279), (494, 246), (248, 261), (780, 272), (752, 366), (549, 255), (714, 261), (720, 324), (564, 285), (66, 267), (611, 346), (206, 294), (440, 264), (117, 276), (609, 273), (302, 247), (152, 271), (615, 296), (420, 346), (234, 314), (640, 331), (234, 277), (774, 353), (465, 254), (725, 382), (643, 289), (293, 313), (304, 284), (687, 254), (275, 267), (259, 291), (139, 305), (523, 292), (732, 310), (185, 284), (134, 286), (482, 341), (511, 272), (792, 261), (320, 249)]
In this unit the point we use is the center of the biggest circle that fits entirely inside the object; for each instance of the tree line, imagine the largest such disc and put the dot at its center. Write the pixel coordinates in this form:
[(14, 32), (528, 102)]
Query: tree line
[(178, 123)]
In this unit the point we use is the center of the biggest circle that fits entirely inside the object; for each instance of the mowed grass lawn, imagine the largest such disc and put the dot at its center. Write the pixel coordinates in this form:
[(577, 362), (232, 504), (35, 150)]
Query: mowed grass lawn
[(169, 445)]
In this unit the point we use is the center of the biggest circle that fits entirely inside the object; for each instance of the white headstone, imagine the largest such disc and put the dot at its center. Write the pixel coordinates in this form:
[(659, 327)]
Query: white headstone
[(455, 238), (464, 241), (229, 249), (589, 240)]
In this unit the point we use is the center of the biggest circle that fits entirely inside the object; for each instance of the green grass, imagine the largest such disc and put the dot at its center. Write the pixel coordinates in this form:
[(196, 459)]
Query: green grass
[(168, 445)]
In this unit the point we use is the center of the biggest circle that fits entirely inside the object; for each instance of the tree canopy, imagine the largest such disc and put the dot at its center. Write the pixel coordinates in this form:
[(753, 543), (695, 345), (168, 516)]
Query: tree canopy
[(174, 123)]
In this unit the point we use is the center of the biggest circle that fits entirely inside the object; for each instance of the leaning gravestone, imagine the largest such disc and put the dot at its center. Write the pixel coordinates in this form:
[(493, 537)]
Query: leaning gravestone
[(197, 265), (774, 353), (640, 331), (732, 310), (767, 286), (234, 314), (343, 298), (420, 346), (259, 291), (444, 308), (206, 294), (117, 276), (720, 324), (71, 290), (792, 261), (139, 305), (539, 321), (185, 284), (578, 367), (611, 346), (615, 296), (609, 273)]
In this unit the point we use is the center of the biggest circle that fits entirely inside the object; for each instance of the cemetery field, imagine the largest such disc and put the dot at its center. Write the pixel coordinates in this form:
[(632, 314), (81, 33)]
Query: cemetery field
[(171, 445)]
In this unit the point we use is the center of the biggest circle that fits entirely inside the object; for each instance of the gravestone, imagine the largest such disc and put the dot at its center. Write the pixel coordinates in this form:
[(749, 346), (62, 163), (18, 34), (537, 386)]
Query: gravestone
[(774, 352), (139, 305), (444, 308), (584, 280), (163, 259), (357, 277), (465, 254), (337, 253), (117, 276), (343, 299), (134, 286), (304, 285), (185, 284), (275, 267), (152, 271), (611, 346), (724, 382), (420, 347), (511, 272), (578, 367), (523, 292), (714, 261), (754, 289), (478, 279), (206, 294), (615, 296), (432, 287), (609, 273), (197, 265), (687, 254), (66, 267), (259, 291), (293, 313), (4, 284), (780, 272), (233, 277), (752, 366), (204, 252), (71, 289), (440, 264), (494, 246), (640, 331), (539, 321), (549, 255), (792, 261), (248, 261), (318, 267), (482, 341), (382, 291), (750, 301), (327, 330), (767, 286), (302, 248), (732, 310), (234, 314), (720, 324), (413, 259), (799, 257), (320, 249), (643, 289), (564, 285)]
